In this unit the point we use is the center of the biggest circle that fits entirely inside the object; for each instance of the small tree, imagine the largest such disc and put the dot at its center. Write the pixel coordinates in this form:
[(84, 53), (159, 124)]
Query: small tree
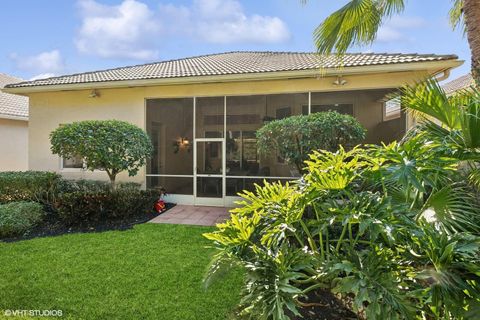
[(294, 138), (113, 146)]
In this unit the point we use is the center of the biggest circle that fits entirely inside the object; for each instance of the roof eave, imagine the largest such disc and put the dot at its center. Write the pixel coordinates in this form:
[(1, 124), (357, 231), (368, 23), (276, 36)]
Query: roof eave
[(13, 117), (437, 66)]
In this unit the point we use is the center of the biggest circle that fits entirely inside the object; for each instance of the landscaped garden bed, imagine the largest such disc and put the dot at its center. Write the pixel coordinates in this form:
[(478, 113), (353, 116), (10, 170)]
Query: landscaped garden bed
[(36, 204), (51, 226), (392, 230)]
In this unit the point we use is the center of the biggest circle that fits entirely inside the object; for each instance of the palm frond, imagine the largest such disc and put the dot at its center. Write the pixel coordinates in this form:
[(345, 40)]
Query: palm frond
[(428, 98), (470, 123), (456, 15), (452, 209), (474, 177), (356, 23)]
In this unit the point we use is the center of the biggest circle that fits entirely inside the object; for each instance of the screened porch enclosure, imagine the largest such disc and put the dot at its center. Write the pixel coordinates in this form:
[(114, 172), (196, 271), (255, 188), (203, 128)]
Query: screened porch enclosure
[(205, 149)]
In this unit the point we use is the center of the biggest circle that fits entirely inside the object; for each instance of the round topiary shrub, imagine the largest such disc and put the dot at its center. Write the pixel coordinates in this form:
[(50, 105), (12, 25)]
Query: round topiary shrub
[(294, 138), (110, 145)]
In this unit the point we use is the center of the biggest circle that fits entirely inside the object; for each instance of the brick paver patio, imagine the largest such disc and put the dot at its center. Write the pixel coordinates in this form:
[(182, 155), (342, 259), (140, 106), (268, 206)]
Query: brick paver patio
[(193, 215)]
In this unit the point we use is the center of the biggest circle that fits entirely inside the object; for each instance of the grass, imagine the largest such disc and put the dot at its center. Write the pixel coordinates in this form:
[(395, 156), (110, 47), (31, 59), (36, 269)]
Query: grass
[(149, 272)]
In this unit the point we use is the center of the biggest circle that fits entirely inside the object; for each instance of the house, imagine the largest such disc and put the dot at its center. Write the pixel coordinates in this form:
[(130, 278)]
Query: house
[(202, 112), (13, 128), (458, 84)]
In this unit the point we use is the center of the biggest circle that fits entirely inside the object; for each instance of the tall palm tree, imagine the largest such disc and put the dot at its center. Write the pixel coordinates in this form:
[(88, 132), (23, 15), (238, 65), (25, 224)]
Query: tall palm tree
[(357, 23), (471, 13)]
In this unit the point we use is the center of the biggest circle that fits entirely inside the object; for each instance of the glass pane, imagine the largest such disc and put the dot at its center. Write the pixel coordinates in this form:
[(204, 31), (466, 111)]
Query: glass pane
[(209, 187), (342, 102), (343, 108), (173, 185), (209, 117), (209, 157), (169, 125), (73, 163), (305, 110), (237, 185), (247, 114), (392, 108)]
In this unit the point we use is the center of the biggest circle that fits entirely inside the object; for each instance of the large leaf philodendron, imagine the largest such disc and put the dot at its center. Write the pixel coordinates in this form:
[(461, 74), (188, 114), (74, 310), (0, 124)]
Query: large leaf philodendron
[(392, 229)]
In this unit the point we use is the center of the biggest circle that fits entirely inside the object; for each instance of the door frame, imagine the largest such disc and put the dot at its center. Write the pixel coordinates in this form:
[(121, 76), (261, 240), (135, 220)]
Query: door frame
[(208, 201)]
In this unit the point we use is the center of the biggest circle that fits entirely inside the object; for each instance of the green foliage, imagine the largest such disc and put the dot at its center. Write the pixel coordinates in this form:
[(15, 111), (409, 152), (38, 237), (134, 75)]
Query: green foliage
[(393, 229), (296, 137), (113, 146), (456, 15), (85, 207), (356, 23), (17, 218), (73, 202), (27, 185), (451, 123), (66, 186)]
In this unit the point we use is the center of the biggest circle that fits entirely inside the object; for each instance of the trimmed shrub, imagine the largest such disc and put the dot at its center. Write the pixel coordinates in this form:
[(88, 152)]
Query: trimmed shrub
[(294, 138), (129, 185), (27, 185), (17, 218), (112, 145), (67, 186), (86, 207), (74, 202)]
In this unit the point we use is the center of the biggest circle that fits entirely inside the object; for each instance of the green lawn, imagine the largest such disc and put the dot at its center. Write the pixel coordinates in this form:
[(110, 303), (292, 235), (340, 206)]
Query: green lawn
[(149, 272)]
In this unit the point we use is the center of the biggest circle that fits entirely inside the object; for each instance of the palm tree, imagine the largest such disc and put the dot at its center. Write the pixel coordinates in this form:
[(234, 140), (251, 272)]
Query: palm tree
[(452, 122), (357, 23)]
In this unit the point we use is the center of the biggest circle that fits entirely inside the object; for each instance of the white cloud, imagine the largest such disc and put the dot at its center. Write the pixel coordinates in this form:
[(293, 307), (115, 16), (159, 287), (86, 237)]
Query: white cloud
[(399, 29), (133, 30), (224, 21), (127, 30), (49, 62)]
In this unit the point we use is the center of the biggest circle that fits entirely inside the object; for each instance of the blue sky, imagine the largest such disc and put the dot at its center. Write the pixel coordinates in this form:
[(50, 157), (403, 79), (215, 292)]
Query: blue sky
[(54, 37)]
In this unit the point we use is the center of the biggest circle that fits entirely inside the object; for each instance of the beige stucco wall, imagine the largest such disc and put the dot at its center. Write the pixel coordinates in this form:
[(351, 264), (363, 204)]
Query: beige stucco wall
[(50, 109), (13, 145)]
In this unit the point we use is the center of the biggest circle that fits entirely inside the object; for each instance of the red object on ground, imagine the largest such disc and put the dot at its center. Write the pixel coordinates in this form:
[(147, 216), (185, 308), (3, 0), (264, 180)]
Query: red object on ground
[(160, 206)]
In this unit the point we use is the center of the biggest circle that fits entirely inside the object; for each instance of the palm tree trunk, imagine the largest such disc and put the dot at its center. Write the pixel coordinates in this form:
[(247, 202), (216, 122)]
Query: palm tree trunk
[(471, 11)]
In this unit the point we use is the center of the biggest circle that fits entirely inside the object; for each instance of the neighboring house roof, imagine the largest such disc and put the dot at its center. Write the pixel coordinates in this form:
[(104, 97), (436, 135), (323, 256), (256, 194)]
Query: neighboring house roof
[(463, 82), (11, 105), (234, 63)]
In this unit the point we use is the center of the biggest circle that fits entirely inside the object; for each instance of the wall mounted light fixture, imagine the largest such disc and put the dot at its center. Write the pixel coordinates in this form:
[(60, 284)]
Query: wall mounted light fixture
[(181, 143), (184, 141), (340, 81), (94, 94)]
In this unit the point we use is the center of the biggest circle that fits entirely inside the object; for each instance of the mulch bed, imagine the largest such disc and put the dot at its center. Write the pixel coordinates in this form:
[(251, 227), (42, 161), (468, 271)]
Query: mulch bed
[(52, 227), (325, 306)]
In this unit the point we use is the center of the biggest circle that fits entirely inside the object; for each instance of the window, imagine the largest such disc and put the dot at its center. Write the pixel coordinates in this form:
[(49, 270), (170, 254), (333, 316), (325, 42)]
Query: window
[(343, 108), (341, 102), (392, 109), (72, 163), (170, 127), (283, 113), (209, 117), (245, 115)]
